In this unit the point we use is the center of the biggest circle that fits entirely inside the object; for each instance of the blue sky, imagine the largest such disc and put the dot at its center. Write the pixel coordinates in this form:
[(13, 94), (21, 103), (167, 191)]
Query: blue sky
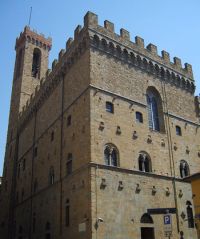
[(172, 25)]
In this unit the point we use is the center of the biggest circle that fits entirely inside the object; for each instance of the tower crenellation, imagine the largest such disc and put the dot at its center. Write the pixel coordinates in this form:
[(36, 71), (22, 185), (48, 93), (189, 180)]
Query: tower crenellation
[(32, 36), (91, 21)]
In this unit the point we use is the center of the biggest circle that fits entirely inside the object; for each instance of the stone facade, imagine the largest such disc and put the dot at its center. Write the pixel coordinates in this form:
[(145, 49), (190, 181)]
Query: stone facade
[(194, 179), (58, 180)]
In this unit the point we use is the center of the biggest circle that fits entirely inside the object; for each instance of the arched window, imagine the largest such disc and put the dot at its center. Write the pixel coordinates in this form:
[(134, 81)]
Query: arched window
[(155, 112), (144, 162), (51, 176), (111, 155), (190, 215), (184, 169), (36, 63), (146, 218)]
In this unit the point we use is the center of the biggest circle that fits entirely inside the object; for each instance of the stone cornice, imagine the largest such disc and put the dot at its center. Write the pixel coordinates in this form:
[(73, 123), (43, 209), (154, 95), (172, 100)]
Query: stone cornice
[(134, 172)]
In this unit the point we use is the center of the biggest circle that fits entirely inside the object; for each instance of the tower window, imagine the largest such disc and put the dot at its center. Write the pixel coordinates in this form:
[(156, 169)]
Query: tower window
[(109, 107), (36, 63), (111, 155), (178, 130), (139, 117), (144, 162)]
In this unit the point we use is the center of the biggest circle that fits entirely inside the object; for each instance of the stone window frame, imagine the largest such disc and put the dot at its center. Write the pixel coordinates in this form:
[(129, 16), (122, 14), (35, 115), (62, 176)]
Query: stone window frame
[(146, 218), (111, 155), (144, 162), (139, 117), (184, 168), (36, 63), (178, 130), (155, 110), (190, 216), (109, 107)]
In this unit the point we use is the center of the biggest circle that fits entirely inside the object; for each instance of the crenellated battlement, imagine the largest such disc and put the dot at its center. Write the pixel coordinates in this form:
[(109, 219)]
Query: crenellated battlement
[(105, 39), (32, 36), (107, 33)]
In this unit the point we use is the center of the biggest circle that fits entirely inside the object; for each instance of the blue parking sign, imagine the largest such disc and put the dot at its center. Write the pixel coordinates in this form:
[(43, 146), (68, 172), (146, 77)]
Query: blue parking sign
[(167, 219)]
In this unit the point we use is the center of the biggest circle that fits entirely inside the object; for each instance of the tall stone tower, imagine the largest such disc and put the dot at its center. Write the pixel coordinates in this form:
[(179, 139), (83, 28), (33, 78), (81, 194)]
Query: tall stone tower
[(31, 64)]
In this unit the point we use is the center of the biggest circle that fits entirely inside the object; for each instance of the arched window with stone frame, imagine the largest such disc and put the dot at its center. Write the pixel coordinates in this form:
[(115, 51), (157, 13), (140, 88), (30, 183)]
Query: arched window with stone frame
[(184, 169), (155, 110), (111, 155), (144, 162), (36, 63)]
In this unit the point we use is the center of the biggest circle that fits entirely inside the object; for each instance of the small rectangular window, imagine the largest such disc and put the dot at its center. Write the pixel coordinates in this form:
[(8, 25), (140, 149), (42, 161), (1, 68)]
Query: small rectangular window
[(35, 151), (109, 107), (18, 171), (67, 212), (139, 117), (178, 130), (52, 136), (69, 120), (24, 164), (69, 167)]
